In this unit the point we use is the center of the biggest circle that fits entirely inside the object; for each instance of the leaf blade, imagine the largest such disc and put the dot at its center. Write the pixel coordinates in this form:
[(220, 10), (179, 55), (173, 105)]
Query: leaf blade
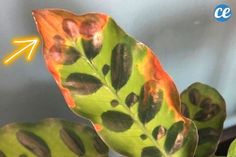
[(232, 149), (206, 107), (134, 65), (50, 137)]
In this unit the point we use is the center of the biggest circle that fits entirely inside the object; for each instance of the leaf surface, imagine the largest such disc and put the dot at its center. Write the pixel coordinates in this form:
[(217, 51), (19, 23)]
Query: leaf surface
[(206, 107), (134, 104), (50, 138), (232, 149)]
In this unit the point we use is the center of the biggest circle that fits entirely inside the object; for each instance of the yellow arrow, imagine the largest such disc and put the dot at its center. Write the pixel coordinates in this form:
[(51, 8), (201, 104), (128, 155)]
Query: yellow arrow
[(28, 46)]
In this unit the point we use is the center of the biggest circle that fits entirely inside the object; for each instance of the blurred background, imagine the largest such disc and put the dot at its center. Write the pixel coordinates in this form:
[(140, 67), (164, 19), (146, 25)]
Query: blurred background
[(190, 44)]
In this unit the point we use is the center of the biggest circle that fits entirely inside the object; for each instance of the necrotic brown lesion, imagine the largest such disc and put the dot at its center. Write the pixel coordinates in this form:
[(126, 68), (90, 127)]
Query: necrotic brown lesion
[(89, 26), (70, 27), (150, 101), (63, 54), (158, 132)]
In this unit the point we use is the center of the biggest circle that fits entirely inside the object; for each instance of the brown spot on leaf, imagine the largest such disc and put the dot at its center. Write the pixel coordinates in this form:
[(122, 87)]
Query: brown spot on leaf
[(70, 27), (158, 132), (63, 54), (89, 26), (175, 137), (58, 40), (150, 100)]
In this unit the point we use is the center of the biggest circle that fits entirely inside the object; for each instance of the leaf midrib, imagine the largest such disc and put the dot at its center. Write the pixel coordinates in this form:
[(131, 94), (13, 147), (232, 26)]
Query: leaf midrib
[(104, 82)]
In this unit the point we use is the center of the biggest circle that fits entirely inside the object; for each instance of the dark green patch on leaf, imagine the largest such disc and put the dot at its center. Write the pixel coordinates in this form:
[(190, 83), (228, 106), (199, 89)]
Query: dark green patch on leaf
[(33, 143), (194, 96), (105, 69), (72, 141), (89, 131), (143, 137), (117, 121), (208, 135), (206, 102), (22, 155), (149, 102), (114, 103), (131, 99), (82, 84), (91, 49), (207, 113), (185, 110), (100, 146), (2, 154), (158, 132), (175, 138), (71, 55), (151, 152), (121, 65)]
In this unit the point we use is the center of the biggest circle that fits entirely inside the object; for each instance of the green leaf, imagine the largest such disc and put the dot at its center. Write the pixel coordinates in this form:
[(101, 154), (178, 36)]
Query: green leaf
[(50, 138), (232, 149), (206, 107), (131, 100)]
